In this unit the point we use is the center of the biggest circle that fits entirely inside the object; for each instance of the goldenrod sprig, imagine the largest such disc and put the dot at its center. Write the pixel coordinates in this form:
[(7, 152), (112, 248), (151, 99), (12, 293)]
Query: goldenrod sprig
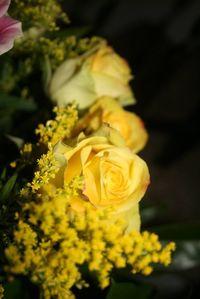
[(60, 127)]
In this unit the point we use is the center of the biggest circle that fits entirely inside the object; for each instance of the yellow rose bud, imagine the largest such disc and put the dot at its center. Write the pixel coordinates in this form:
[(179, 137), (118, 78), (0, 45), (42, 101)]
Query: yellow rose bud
[(128, 124), (97, 73), (113, 177)]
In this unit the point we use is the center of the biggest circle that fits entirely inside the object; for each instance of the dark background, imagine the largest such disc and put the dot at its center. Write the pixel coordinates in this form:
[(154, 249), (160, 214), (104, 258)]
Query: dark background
[(161, 42)]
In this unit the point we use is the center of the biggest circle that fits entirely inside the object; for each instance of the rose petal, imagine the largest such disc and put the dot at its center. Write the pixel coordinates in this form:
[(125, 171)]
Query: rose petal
[(110, 86), (80, 89), (63, 74), (131, 216), (4, 4), (91, 174), (9, 30)]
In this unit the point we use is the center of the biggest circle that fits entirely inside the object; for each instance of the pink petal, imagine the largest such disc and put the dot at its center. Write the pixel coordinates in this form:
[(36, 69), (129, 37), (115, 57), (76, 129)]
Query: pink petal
[(9, 30), (4, 4)]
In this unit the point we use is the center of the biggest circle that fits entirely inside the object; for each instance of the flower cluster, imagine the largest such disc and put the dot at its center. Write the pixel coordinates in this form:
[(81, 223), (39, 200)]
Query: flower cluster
[(39, 13), (81, 209), (54, 257), (59, 128)]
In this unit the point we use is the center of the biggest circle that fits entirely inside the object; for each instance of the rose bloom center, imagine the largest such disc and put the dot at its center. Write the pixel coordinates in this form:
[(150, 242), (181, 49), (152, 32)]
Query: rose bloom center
[(108, 179)]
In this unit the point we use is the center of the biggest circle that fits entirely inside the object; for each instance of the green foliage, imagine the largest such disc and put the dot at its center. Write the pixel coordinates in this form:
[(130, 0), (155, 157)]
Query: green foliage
[(7, 188), (9, 107), (12, 104)]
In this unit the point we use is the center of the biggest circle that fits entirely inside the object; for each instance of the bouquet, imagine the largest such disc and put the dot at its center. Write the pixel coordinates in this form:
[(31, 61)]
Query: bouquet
[(72, 179)]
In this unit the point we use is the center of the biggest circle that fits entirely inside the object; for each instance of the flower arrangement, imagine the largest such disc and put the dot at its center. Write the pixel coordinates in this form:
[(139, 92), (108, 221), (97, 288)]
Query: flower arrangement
[(70, 199)]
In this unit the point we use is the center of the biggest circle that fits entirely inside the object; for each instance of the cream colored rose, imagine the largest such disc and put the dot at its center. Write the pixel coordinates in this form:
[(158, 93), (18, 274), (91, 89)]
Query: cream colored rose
[(113, 177), (97, 73), (107, 110)]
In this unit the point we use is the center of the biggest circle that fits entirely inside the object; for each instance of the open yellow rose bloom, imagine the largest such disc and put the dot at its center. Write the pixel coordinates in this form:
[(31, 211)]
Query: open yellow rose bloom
[(113, 177)]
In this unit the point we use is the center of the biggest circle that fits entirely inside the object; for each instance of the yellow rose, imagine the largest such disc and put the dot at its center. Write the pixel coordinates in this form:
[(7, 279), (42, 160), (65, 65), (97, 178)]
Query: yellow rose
[(107, 110), (85, 78), (113, 177)]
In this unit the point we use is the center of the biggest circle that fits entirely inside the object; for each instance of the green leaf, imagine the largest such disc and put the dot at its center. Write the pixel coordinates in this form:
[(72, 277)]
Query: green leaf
[(16, 140), (3, 177), (3, 174), (127, 290), (12, 103), (8, 187), (46, 72)]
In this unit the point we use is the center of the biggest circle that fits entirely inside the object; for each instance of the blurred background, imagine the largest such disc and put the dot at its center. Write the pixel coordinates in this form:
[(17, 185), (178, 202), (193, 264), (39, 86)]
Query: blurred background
[(161, 42)]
